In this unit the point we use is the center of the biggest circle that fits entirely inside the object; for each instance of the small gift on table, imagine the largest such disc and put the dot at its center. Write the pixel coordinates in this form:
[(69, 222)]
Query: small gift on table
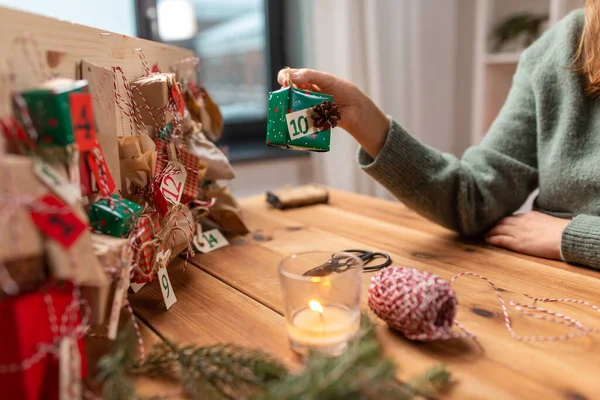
[(43, 327), (115, 216), (50, 110), (301, 120)]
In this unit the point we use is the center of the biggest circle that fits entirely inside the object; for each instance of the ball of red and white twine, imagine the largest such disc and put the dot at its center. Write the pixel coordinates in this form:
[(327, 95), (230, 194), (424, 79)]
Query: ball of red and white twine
[(422, 306)]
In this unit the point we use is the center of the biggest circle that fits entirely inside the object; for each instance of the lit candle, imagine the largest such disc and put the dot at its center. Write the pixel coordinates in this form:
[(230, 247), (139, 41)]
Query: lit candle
[(323, 326)]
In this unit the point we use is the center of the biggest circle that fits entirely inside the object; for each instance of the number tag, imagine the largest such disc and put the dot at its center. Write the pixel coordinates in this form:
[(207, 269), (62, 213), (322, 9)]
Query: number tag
[(137, 286), (83, 120), (57, 220), (173, 182), (300, 124), (210, 241), (70, 369), (59, 185), (166, 288)]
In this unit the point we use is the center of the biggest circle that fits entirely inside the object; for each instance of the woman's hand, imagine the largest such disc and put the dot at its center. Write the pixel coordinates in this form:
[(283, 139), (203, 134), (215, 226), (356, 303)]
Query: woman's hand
[(360, 116), (532, 233)]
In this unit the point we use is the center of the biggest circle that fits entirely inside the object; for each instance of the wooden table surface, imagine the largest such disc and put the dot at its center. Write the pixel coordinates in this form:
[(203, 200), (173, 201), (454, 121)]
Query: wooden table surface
[(232, 295)]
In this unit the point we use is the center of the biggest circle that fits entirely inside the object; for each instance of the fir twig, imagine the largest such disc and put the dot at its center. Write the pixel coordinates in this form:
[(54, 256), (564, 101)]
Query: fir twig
[(223, 372), (220, 371), (114, 368)]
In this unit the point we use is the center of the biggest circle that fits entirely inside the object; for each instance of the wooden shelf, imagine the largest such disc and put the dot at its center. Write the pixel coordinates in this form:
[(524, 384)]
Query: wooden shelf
[(502, 58)]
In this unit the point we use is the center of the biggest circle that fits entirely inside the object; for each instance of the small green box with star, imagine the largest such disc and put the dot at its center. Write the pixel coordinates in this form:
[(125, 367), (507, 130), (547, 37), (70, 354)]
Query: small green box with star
[(50, 111), (116, 221), (291, 125)]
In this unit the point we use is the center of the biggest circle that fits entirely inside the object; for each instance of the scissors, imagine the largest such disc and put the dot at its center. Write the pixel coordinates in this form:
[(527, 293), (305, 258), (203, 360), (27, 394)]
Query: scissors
[(340, 263)]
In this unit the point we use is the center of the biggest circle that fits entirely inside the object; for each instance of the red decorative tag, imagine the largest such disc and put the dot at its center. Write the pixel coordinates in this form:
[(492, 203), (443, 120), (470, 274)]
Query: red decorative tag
[(98, 166), (155, 68), (178, 97), (160, 203), (85, 177), (56, 220), (82, 117)]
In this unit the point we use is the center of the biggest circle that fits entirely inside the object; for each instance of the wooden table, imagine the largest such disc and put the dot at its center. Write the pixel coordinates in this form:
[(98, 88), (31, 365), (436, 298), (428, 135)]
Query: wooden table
[(232, 295)]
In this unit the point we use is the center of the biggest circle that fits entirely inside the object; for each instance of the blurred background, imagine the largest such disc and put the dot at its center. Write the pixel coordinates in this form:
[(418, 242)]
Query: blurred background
[(442, 68)]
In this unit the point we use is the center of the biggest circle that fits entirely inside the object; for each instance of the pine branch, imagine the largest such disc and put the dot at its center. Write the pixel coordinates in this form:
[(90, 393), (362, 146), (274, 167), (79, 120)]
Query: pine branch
[(224, 372), (362, 372), (219, 372), (114, 367)]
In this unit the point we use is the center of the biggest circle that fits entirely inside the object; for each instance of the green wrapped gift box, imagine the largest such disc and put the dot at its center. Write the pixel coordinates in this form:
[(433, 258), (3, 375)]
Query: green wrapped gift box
[(290, 124), (115, 222), (50, 111)]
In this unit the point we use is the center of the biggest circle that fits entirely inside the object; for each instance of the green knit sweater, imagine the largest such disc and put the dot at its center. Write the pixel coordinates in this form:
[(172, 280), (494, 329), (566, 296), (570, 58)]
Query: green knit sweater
[(547, 135)]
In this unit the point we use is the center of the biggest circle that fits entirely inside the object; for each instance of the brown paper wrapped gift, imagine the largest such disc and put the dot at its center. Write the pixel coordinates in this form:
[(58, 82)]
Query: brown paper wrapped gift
[(20, 237), (21, 243), (114, 254), (151, 96), (218, 166), (226, 212), (178, 230), (138, 160), (77, 264)]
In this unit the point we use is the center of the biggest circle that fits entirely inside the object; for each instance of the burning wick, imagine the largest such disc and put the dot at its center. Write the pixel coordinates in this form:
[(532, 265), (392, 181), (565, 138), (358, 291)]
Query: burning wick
[(316, 307)]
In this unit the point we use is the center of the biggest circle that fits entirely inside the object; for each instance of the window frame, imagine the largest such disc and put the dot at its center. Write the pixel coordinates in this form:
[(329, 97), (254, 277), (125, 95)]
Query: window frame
[(245, 139)]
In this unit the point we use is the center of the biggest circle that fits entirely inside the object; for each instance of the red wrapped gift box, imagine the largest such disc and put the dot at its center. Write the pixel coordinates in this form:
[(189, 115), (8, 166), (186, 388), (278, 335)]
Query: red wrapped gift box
[(148, 226), (26, 325), (193, 166)]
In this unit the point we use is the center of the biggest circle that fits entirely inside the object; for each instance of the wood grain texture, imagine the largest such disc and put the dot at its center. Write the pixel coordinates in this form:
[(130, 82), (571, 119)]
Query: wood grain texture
[(496, 366), (57, 47), (209, 311)]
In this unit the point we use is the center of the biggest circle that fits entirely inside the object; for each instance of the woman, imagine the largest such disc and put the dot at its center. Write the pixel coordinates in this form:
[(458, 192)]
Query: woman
[(547, 135)]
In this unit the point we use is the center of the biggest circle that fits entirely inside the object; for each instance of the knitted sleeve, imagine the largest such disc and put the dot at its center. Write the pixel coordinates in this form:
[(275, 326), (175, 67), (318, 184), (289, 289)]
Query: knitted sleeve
[(581, 241), (470, 194)]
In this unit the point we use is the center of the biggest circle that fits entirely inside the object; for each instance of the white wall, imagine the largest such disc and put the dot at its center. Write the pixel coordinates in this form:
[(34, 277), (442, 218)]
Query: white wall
[(113, 15)]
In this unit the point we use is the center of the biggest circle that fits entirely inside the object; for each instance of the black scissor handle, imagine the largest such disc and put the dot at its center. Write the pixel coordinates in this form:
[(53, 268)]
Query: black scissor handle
[(385, 264)]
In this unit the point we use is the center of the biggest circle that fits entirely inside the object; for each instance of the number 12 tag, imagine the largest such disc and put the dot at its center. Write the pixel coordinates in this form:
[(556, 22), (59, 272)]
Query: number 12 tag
[(300, 124), (210, 240), (173, 182)]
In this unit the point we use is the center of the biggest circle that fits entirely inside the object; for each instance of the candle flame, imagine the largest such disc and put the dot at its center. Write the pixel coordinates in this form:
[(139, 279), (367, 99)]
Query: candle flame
[(315, 306)]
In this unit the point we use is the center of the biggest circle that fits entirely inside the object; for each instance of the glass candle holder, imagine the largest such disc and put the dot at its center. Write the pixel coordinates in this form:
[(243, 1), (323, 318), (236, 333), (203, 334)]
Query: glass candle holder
[(321, 296)]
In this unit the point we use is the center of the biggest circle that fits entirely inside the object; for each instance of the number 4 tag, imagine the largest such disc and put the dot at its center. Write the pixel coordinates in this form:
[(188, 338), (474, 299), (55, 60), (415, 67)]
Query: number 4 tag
[(210, 240), (300, 124)]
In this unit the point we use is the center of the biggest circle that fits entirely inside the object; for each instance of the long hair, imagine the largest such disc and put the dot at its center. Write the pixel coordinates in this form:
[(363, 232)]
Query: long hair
[(587, 57)]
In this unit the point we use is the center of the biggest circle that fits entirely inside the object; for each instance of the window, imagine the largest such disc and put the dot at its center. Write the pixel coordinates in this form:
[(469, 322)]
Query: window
[(240, 46)]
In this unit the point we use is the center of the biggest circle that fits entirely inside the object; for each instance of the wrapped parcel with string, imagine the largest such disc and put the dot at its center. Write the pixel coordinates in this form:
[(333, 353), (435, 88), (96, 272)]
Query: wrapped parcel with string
[(301, 120)]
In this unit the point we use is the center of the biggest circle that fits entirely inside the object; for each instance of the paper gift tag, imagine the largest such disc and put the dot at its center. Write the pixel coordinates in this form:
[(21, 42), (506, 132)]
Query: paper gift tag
[(56, 182), (211, 240), (70, 369), (173, 182), (136, 287), (100, 170), (164, 281), (178, 98), (300, 124), (55, 219), (82, 117)]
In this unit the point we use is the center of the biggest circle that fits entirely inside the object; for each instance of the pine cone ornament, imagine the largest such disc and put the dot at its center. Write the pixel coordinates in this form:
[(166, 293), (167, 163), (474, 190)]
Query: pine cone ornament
[(326, 115)]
